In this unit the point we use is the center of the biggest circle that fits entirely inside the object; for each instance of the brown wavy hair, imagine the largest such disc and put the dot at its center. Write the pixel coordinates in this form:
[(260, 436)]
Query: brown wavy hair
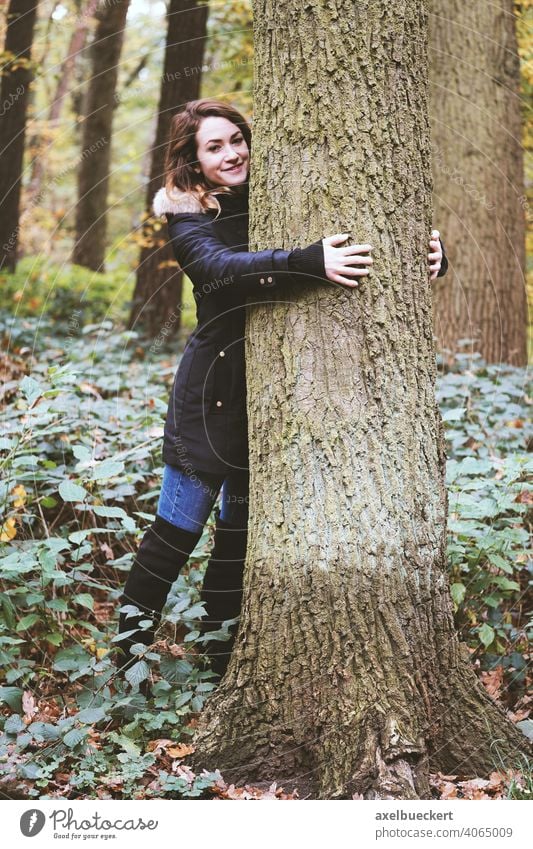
[(181, 154)]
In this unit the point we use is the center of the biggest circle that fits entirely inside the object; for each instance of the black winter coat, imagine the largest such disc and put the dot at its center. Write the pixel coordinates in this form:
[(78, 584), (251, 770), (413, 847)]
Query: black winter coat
[(206, 423)]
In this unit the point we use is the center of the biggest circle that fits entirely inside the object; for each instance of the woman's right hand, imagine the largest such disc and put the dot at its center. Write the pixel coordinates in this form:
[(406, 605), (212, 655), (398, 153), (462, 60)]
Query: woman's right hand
[(352, 260)]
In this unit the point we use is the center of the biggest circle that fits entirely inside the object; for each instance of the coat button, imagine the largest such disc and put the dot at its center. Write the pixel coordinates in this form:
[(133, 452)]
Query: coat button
[(261, 280), (269, 279), (219, 403), (222, 354)]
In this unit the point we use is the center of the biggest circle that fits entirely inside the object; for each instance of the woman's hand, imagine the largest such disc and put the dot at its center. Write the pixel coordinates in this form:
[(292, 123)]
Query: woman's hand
[(352, 260), (435, 254)]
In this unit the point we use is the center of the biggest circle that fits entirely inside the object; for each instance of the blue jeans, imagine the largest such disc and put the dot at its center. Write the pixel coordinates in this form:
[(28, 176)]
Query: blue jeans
[(187, 498)]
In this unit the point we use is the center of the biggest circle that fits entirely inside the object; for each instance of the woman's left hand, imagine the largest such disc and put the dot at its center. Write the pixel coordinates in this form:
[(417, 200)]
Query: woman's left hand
[(435, 254)]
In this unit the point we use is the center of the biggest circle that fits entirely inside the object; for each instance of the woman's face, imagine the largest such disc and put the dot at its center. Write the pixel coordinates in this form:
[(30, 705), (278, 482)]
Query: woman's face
[(223, 155)]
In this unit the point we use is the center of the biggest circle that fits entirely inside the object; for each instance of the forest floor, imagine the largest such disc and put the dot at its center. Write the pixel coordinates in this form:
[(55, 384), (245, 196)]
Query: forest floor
[(82, 414)]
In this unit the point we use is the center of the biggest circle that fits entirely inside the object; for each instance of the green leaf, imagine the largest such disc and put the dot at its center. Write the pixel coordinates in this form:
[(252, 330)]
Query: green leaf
[(30, 770), (505, 583), (14, 724), (182, 699), (57, 604), (526, 727), (48, 501), (85, 599), (486, 634), (30, 388), (474, 466), (107, 469), (79, 536), (27, 621), (500, 562), (55, 638), (72, 658), (44, 730), (12, 696), (194, 612), (75, 737), (70, 491), (82, 453), (90, 715), (138, 673), (56, 544), (454, 414), (126, 743), (458, 593), (112, 512)]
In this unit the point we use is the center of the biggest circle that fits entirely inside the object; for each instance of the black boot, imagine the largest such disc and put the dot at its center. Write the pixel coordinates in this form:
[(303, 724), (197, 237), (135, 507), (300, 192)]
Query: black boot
[(163, 551), (222, 590)]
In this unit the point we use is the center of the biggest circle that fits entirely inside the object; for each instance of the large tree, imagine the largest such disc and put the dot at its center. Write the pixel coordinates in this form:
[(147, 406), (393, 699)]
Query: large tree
[(64, 80), (17, 75), (159, 280), (347, 674), (93, 171), (479, 177)]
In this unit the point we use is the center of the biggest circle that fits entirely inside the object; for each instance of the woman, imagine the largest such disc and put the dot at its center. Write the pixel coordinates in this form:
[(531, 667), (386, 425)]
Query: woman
[(205, 446)]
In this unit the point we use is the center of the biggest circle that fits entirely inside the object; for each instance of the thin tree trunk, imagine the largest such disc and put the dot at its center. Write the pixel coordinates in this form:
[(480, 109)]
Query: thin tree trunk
[(93, 173), (75, 47), (158, 287), (347, 674), (479, 178), (17, 75)]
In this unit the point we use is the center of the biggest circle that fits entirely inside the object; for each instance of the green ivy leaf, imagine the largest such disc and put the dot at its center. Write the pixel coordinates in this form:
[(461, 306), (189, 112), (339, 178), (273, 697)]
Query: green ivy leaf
[(486, 634)]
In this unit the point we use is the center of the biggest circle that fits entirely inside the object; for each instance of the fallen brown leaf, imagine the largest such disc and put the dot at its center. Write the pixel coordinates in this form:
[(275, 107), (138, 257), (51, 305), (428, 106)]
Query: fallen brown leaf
[(492, 680), (180, 751)]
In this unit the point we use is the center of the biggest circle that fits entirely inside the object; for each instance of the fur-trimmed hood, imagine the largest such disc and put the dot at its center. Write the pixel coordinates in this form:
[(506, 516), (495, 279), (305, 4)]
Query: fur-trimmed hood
[(181, 201)]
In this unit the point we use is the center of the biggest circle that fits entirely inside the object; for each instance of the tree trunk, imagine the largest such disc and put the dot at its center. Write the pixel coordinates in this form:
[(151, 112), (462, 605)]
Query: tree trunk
[(93, 173), (75, 47), (158, 287), (479, 178), (16, 75), (347, 674)]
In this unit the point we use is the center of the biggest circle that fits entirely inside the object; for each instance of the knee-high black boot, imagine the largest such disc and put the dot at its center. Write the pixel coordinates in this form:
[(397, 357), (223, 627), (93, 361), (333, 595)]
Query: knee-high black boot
[(163, 551), (222, 590)]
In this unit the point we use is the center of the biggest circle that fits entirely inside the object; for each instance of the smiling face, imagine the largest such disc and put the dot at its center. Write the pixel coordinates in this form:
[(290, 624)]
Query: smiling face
[(223, 155)]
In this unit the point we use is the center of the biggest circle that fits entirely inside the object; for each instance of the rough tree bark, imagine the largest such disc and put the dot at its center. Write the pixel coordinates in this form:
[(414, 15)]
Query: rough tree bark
[(17, 75), (93, 172), (347, 674), (479, 178), (157, 296)]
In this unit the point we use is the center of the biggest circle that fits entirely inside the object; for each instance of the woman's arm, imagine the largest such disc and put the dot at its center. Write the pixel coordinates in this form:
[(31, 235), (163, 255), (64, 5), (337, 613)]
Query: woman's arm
[(205, 259)]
